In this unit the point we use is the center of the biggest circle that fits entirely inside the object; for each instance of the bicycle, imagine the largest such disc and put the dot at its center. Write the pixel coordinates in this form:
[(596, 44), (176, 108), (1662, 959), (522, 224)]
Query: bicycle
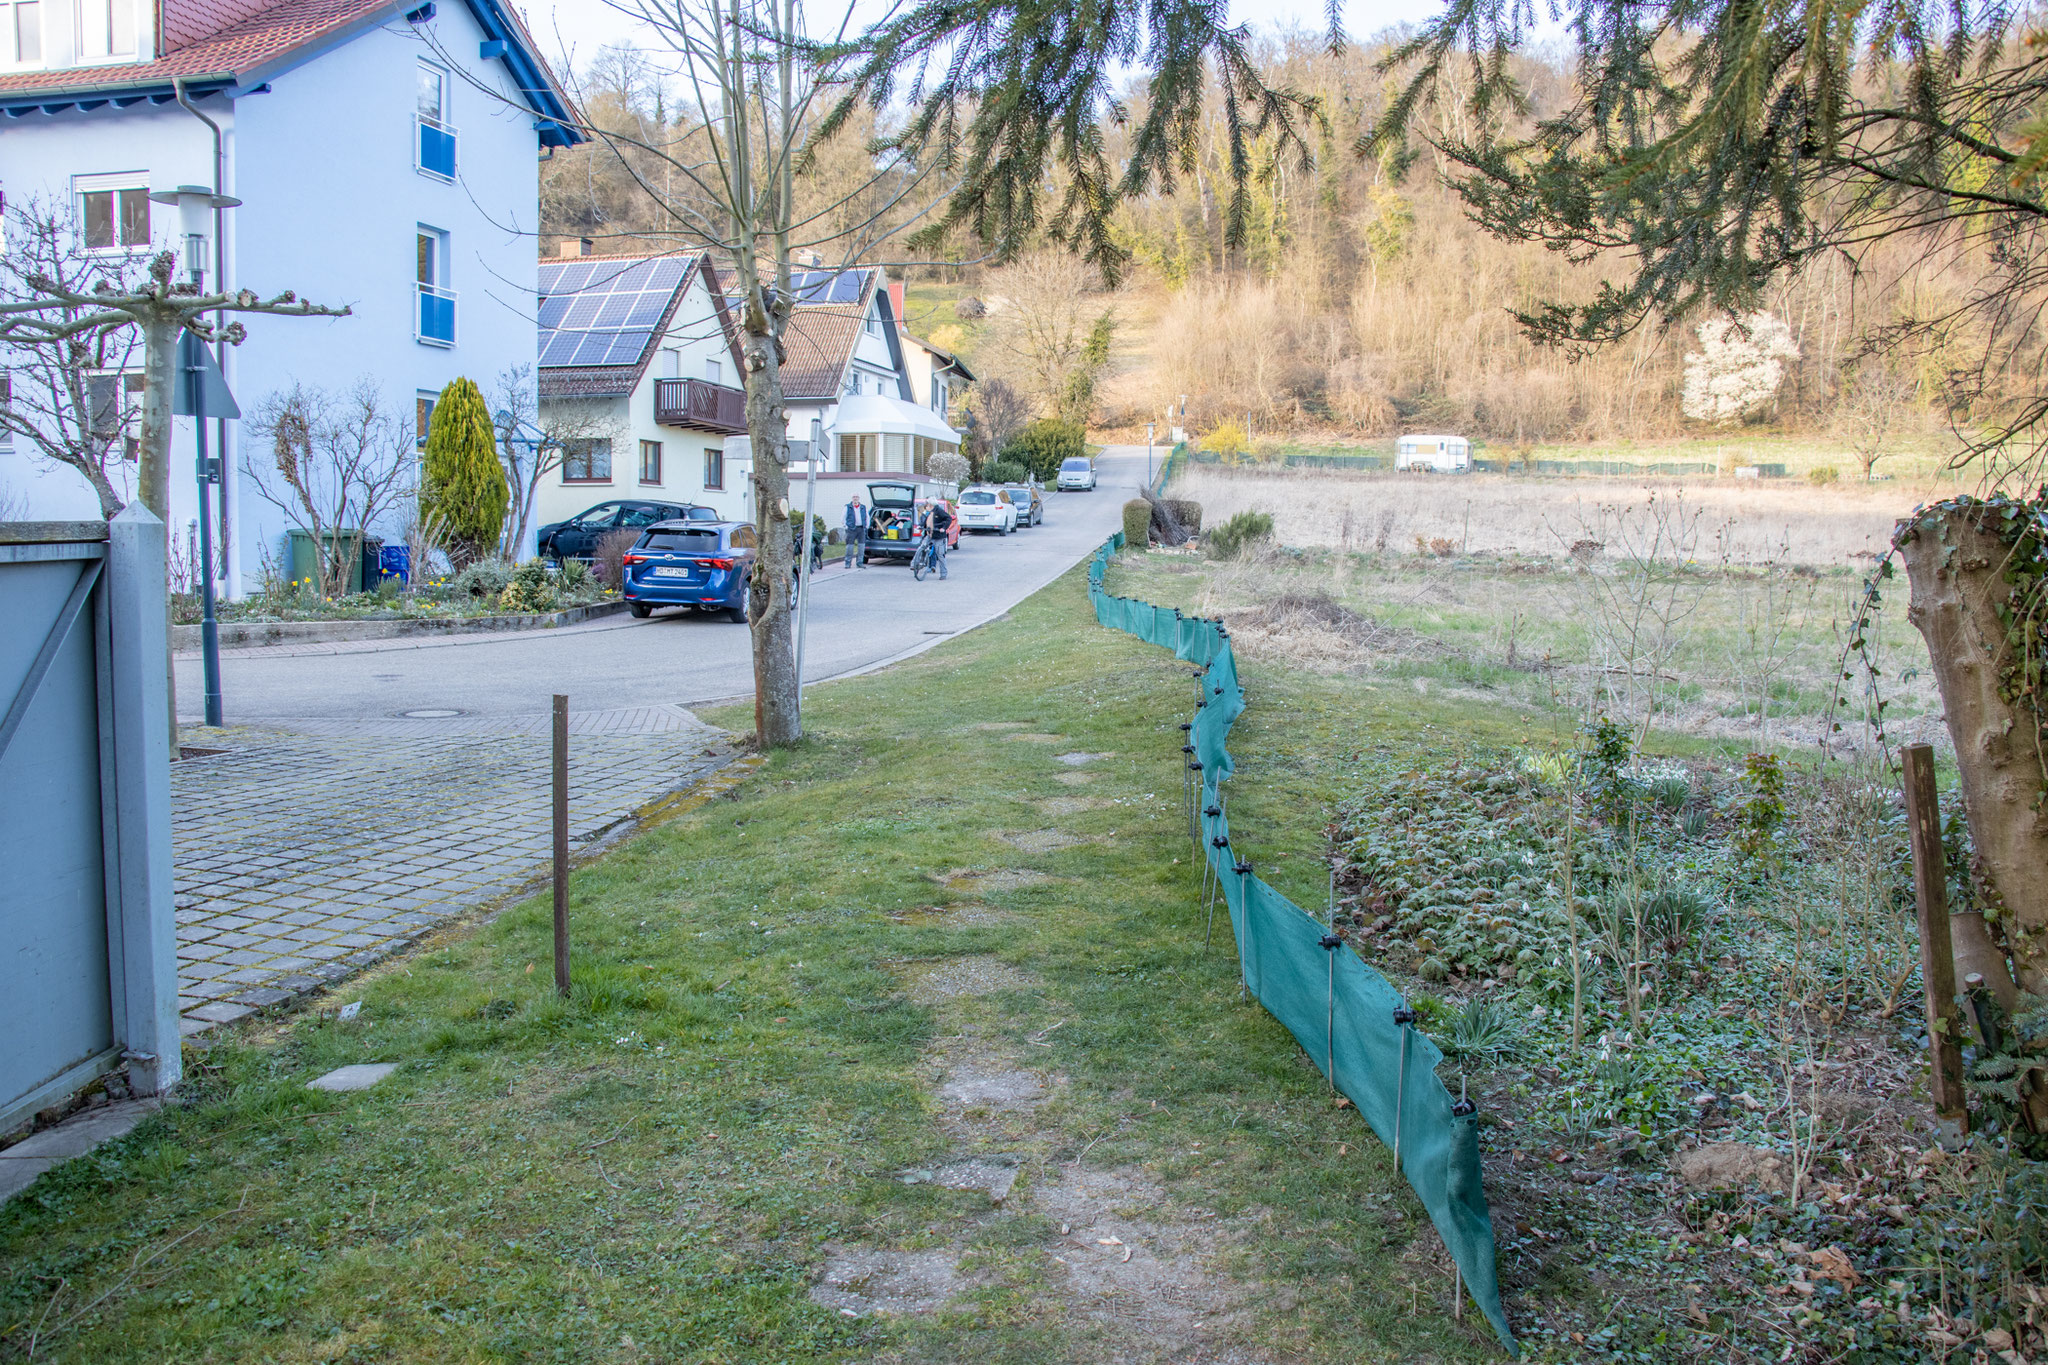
[(925, 556)]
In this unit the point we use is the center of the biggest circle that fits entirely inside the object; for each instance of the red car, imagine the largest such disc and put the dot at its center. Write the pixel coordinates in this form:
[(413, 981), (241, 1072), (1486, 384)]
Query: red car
[(892, 525)]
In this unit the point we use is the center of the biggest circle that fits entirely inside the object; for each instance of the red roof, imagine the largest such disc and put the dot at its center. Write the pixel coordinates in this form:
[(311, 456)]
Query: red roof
[(214, 38)]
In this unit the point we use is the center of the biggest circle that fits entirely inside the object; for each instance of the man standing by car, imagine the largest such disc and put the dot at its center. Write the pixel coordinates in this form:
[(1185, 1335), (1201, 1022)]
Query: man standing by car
[(938, 525), (856, 532)]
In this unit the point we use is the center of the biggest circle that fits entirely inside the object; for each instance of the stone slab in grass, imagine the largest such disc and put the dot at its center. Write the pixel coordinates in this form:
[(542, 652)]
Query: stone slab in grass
[(360, 1076)]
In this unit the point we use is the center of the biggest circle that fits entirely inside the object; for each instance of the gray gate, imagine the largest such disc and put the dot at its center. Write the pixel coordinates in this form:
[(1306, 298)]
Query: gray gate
[(88, 943)]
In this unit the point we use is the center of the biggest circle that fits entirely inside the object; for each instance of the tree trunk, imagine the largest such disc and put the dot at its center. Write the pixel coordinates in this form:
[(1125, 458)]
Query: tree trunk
[(153, 474), (1955, 561), (159, 359), (776, 721)]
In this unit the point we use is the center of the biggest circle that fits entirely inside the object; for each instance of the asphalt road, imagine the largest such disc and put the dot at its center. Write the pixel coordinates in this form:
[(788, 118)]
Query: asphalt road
[(860, 619)]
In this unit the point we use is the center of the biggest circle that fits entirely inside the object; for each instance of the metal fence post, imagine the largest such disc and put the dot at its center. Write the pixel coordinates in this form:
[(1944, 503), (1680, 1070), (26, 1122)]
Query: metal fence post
[(141, 914)]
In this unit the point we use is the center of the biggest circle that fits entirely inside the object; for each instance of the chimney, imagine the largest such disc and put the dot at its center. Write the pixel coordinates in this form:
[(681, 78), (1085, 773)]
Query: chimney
[(896, 297), (571, 250)]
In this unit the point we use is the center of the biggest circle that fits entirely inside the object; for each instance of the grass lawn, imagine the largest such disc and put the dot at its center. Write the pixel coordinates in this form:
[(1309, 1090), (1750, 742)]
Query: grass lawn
[(920, 953)]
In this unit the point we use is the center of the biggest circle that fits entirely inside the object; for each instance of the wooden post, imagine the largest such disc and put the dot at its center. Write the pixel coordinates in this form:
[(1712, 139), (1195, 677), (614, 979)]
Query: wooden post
[(1937, 956), (562, 847)]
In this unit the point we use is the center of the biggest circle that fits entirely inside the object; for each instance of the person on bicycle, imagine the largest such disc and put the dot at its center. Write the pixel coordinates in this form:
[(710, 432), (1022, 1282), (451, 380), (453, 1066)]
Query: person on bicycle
[(938, 524)]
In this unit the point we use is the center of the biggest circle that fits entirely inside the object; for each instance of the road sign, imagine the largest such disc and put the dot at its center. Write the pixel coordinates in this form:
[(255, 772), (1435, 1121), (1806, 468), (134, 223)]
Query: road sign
[(198, 389)]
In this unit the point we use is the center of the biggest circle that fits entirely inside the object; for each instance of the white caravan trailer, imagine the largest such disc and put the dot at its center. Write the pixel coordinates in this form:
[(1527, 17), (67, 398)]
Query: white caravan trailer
[(1434, 454)]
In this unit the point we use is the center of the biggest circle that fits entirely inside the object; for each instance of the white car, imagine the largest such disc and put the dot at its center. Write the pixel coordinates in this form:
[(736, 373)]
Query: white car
[(985, 509), (1077, 474)]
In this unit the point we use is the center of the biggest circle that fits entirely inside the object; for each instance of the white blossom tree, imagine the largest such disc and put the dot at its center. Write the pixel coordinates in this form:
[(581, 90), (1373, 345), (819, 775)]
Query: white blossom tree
[(1738, 368)]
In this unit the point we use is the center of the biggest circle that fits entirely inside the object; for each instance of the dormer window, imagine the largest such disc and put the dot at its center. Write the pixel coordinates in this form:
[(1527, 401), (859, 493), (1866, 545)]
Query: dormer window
[(106, 29)]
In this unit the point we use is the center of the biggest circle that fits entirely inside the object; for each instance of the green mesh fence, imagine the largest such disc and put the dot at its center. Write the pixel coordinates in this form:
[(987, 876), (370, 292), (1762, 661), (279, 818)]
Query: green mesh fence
[(1342, 1012)]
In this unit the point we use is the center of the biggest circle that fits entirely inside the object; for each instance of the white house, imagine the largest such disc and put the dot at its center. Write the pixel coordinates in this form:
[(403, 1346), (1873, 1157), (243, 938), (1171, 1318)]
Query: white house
[(636, 361), (847, 385), (938, 378), (386, 156)]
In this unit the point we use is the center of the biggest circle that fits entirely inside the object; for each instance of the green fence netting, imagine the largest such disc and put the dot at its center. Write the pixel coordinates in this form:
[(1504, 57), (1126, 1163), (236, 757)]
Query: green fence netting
[(1342, 1012)]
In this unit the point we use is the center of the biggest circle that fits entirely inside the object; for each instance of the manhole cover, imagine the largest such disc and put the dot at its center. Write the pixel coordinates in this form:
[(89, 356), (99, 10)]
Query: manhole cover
[(431, 713)]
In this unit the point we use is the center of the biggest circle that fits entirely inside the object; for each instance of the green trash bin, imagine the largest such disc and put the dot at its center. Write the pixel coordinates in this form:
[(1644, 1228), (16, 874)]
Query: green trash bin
[(302, 565)]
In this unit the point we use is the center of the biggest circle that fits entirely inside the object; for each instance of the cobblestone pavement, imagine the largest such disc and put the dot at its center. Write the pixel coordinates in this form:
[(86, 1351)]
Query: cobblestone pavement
[(306, 850)]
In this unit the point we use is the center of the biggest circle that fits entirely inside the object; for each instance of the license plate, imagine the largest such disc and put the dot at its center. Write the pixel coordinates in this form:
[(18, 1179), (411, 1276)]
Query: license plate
[(672, 573)]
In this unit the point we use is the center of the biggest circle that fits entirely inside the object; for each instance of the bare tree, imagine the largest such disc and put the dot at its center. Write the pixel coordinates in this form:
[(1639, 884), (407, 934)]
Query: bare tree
[(728, 174), (336, 464), (1636, 605), (1871, 408), (998, 412), (73, 400), (532, 439), (1043, 317)]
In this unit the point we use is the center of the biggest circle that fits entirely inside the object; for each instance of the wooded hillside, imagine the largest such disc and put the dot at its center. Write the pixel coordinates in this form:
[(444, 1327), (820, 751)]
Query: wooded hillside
[(1359, 299)]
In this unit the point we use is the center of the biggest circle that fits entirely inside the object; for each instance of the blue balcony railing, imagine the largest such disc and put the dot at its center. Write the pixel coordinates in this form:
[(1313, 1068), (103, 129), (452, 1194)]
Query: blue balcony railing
[(436, 149), (437, 316)]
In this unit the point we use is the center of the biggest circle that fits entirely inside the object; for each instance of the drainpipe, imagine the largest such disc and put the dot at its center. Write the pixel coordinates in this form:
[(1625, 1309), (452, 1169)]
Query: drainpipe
[(230, 549)]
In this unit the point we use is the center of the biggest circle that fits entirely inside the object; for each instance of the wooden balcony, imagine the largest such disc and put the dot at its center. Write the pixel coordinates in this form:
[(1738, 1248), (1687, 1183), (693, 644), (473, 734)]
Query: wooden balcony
[(700, 404)]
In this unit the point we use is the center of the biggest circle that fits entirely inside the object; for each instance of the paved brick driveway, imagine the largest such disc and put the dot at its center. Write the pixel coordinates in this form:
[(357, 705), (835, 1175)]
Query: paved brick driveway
[(306, 850)]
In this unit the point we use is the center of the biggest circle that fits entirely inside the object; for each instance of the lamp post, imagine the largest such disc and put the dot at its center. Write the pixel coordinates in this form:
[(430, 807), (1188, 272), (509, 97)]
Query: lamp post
[(198, 211), (1148, 454)]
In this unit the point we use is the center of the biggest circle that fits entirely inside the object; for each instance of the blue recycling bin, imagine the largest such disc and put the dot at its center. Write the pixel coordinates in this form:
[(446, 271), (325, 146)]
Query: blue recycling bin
[(394, 561)]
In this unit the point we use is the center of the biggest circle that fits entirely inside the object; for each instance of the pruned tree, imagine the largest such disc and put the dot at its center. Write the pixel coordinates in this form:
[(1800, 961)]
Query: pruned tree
[(532, 439), (335, 464), (161, 308), (71, 400)]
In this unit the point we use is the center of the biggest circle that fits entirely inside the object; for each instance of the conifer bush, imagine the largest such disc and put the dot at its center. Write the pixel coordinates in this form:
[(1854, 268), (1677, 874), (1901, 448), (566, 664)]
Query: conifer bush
[(462, 484)]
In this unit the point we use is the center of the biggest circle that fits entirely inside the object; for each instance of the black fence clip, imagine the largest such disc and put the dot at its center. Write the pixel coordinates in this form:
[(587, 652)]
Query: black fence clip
[(1212, 811), (1242, 869), (1187, 725), (1187, 748), (1201, 702), (1404, 1015), (1219, 689), (1330, 942), (1218, 841), (1463, 1109), (1195, 766)]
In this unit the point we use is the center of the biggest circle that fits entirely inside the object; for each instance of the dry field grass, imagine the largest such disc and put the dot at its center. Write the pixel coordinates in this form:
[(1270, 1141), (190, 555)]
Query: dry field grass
[(1776, 521), (1739, 640)]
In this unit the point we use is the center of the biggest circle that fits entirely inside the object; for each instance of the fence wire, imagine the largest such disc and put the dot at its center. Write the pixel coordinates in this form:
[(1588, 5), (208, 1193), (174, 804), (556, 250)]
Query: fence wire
[(1343, 1013)]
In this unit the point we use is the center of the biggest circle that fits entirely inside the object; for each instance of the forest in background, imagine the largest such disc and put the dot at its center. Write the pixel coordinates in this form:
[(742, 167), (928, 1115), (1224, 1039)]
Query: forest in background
[(1360, 300)]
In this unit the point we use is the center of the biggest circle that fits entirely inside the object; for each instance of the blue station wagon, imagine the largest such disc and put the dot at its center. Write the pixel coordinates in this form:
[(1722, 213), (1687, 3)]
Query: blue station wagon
[(700, 564)]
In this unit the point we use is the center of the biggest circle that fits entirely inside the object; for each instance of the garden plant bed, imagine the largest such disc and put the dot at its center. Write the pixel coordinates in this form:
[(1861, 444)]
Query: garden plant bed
[(1642, 1179), (237, 634)]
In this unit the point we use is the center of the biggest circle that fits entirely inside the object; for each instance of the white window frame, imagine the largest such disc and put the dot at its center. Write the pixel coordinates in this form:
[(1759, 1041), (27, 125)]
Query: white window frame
[(94, 46), (10, 33), (714, 370), (112, 182)]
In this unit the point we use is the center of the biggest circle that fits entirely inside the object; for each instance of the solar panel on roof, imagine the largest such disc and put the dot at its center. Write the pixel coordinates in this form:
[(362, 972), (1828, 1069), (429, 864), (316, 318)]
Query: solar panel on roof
[(604, 312)]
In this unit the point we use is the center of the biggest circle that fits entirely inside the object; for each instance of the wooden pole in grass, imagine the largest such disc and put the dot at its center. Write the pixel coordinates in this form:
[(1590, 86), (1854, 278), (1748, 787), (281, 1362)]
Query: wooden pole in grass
[(561, 766), (1937, 955)]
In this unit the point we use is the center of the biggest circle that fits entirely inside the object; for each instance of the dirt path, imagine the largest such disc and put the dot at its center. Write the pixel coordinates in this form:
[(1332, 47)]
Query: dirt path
[(1126, 1271)]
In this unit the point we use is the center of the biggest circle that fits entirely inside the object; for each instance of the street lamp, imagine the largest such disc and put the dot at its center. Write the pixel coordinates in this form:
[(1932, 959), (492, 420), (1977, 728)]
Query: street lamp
[(199, 224), (1148, 454)]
